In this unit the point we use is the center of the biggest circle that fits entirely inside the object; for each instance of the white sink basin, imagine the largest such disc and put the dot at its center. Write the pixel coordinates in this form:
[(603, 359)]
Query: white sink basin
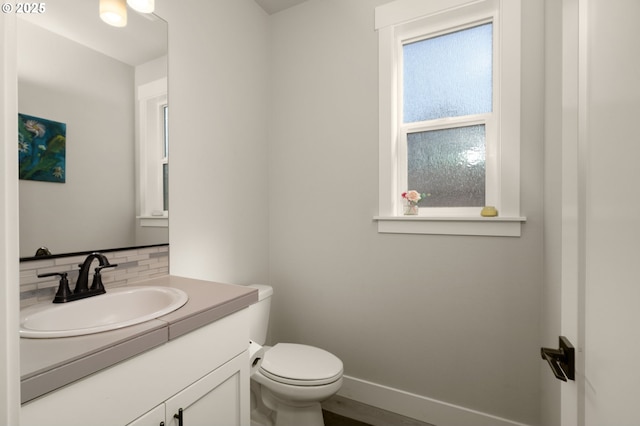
[(120, 307)]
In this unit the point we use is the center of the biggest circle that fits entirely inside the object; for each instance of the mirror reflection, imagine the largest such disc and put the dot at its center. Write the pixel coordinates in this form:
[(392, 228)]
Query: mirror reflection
[(108, 87)]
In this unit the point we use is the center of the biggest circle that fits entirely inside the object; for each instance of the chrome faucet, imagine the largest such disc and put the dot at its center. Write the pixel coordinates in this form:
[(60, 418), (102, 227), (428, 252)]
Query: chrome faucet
[(82, 289)]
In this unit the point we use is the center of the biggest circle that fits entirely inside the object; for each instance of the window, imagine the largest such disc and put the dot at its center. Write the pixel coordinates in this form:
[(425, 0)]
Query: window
[(165, 158), (449, 115), (447, 111), (153, 153)]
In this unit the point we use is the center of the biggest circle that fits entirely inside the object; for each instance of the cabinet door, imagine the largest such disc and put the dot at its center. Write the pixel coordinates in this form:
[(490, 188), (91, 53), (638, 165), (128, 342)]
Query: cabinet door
[(154, 417), (221, 398)]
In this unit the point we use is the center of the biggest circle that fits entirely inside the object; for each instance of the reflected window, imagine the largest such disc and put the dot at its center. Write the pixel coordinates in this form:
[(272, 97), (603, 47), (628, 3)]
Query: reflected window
[(153, 149), (165, 158)]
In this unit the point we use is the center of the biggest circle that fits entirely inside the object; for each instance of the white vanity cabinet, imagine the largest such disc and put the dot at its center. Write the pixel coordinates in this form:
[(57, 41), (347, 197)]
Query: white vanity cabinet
[(212, 401), (154, 417), (204, 372)]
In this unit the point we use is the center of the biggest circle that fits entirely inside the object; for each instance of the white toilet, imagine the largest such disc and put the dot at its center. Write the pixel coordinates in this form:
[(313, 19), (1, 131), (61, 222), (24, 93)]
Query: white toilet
[(293, 379)]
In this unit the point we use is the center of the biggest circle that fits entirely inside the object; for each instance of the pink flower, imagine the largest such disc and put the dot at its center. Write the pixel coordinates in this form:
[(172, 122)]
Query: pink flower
[(412, 196)]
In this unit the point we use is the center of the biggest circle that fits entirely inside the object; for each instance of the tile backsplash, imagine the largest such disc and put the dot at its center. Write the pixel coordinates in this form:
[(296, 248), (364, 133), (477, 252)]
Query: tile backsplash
[(134, 265)]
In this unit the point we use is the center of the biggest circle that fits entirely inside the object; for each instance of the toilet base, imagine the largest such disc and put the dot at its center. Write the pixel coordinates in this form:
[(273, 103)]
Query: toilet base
[(260, 414), (258, 419), (269, 410), (296, 416)]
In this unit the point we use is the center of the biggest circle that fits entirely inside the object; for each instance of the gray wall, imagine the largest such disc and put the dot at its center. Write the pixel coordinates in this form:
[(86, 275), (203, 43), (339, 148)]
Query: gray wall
[(217, 128), (456, 319), (274, 179)]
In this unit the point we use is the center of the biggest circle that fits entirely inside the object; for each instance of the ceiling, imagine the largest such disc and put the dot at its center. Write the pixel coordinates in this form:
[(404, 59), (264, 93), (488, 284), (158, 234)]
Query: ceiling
[(143, 39), (275, 6)]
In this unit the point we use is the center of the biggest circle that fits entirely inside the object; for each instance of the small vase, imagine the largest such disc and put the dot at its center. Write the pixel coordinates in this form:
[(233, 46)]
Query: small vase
[(411, 209)]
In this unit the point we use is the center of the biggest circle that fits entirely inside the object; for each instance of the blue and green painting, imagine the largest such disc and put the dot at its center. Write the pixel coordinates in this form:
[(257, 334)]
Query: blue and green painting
[(41, 149)]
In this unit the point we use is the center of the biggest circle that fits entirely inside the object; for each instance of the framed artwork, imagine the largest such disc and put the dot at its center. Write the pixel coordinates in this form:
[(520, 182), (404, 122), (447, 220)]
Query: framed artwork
[(41, 149)]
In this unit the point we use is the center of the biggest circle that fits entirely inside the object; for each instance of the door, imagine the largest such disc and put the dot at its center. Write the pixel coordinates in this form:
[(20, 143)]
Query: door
[(601, 303)]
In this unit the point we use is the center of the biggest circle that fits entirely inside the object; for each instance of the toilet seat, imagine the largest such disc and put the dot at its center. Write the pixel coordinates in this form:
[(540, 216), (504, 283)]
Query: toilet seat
[(301, 365)]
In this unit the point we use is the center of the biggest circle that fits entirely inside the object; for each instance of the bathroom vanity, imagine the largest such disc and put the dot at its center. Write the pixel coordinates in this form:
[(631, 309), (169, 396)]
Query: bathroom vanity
[(193, 363)]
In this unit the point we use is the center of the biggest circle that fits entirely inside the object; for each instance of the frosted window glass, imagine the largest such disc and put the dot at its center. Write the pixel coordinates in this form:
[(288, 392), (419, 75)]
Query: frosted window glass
[(448, 75), (165, 187), (449, 164)]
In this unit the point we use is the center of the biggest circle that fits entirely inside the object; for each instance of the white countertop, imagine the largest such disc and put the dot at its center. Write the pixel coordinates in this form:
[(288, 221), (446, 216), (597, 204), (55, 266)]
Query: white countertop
[(48, 364)]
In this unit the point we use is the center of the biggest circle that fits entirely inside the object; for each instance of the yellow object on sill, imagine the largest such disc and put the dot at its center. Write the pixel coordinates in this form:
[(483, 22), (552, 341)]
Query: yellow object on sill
[(489, 211)]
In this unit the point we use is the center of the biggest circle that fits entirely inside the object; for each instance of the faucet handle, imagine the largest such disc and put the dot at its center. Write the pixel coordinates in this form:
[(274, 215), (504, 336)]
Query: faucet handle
[(101, 267), (108, 265), (97, 285), (64, 292), (52, 274)]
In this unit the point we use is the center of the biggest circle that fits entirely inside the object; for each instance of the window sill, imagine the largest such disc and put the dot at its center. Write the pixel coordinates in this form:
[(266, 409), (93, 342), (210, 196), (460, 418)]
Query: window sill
[(153, 221), (484, 226)]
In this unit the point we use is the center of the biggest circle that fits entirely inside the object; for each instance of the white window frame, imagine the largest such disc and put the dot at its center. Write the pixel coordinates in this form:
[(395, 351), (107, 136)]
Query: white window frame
[(151, 98), (404, 20)]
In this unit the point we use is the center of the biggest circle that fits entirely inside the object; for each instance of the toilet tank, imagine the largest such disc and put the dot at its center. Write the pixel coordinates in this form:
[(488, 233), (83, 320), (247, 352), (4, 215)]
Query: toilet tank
[(259, 314)]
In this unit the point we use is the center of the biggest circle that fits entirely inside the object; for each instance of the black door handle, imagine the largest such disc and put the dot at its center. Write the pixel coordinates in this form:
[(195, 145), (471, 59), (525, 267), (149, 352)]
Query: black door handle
[(562, 360)]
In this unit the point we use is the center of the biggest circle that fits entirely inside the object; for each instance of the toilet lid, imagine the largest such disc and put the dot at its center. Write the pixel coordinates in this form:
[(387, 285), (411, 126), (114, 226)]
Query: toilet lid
[(300, 365)]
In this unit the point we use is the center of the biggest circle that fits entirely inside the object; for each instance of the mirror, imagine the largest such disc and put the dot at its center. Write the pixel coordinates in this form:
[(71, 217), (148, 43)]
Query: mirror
[(77, 70)]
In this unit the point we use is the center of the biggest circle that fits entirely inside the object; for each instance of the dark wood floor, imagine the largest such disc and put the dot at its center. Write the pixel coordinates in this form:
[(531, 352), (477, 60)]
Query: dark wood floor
[(333, 419), (340, 411)]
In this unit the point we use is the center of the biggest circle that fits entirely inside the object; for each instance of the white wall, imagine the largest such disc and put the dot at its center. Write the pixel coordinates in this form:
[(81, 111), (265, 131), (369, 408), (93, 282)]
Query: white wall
[(151, 71), (9, 271), (217, 127), (553, 205), (456, 319), (93, 94)]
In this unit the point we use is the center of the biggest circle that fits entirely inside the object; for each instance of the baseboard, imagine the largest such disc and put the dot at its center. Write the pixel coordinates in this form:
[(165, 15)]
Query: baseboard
[(417, 407)]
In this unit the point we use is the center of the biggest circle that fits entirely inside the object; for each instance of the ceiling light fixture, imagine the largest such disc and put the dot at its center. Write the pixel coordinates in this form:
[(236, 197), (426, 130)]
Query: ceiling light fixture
[(142, 6), (114, 12)]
